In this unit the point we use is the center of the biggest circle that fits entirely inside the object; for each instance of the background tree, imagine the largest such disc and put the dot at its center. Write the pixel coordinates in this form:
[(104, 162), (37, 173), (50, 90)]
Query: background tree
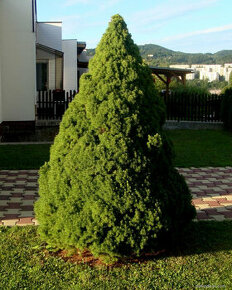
[(110, 185), (156, 55), (228, 86)]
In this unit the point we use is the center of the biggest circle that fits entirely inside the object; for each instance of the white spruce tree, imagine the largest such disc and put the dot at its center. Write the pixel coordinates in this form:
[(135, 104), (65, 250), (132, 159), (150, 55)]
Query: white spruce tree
[(110, 185)]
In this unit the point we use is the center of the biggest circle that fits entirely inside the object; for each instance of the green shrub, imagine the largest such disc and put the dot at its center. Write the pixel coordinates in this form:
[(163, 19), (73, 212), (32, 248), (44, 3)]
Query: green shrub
[(189, 90), (229, 85), (226, 109), (110, 185)]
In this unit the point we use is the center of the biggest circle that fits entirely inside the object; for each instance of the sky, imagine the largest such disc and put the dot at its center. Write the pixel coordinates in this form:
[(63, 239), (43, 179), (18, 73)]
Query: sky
[(187, 26)]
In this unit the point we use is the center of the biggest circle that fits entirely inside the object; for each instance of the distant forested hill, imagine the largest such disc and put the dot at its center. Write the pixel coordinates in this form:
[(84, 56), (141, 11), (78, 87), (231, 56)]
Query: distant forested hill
[(156, 55)]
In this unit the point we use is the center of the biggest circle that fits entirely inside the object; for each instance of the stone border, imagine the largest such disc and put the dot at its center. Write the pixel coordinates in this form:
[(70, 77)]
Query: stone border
[(28, 221)]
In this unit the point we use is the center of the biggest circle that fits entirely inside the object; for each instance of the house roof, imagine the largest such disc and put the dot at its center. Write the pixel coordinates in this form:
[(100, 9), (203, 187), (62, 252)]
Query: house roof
[(81, 45), (49, 49)]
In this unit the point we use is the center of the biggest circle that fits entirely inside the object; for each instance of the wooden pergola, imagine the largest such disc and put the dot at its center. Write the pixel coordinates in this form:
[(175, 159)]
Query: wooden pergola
[(165, 74)]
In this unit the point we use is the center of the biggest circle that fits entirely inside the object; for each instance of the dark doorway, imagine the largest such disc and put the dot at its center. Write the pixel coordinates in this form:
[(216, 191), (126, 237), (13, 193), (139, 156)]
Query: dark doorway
[(42, 76)]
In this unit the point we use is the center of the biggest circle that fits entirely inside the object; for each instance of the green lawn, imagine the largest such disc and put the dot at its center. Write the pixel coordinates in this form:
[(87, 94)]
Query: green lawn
[(205, 260), (202, 147), (192, 147), (23, 156)]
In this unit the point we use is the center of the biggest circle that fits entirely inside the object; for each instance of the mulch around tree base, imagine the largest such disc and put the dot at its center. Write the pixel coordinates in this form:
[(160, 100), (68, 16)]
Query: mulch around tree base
[(86, 257)]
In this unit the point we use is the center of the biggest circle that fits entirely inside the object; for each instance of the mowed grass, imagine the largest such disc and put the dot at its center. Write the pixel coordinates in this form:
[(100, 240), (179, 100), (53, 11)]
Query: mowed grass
[(201, 148), (23, 156), (192, 148), (204, 259)]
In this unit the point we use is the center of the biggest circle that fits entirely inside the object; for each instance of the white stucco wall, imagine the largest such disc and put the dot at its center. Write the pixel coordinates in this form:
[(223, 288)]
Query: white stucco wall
[(50, 34), (69, 47), (17, 55)]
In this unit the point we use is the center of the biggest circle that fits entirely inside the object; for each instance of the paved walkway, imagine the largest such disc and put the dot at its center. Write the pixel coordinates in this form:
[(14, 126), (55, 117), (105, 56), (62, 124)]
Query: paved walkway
[(211, 189)]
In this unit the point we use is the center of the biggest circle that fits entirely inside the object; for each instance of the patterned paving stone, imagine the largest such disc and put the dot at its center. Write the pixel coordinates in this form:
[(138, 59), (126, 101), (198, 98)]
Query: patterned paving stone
[(211, 202), (18, 192), (211, 189), (4, 202), (218, 218), (26, 214)]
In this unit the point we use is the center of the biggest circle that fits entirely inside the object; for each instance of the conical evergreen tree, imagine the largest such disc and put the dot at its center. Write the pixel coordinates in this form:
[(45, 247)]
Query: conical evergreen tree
[(110, 185)]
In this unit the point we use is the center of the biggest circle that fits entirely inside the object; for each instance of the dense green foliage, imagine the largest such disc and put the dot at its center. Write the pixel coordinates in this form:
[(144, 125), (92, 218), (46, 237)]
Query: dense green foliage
[(190, 90), (214, 85), (228, 86), (204, 259), (226, 108), (197, 85), (164, 57), (110, 185)]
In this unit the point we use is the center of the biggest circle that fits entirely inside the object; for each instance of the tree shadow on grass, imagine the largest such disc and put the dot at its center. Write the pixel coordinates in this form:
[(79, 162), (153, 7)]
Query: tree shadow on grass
[(204, 237)]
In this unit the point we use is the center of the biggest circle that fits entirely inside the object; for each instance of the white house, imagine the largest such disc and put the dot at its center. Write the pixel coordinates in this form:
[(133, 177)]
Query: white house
[(49, 56), (33, 57), (69, 48), (59, 63), (17, 62)]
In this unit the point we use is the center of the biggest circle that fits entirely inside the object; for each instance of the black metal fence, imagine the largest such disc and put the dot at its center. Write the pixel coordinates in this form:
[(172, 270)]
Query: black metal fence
[(51, 105), (205, 108)]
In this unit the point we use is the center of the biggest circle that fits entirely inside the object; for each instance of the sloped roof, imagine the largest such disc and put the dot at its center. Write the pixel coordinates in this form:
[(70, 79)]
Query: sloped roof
[(49, 49)]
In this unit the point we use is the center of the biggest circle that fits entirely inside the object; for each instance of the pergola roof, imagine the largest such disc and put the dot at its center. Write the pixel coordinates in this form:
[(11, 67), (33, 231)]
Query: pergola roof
[(165, 74), (171, 71)]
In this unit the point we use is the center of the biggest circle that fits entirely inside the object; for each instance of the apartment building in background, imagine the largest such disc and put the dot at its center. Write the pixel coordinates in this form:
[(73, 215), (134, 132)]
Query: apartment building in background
[(211, 72)]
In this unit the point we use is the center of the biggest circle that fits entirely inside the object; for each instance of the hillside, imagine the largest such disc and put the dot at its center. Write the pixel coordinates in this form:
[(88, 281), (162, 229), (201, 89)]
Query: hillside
[(156, 55)]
